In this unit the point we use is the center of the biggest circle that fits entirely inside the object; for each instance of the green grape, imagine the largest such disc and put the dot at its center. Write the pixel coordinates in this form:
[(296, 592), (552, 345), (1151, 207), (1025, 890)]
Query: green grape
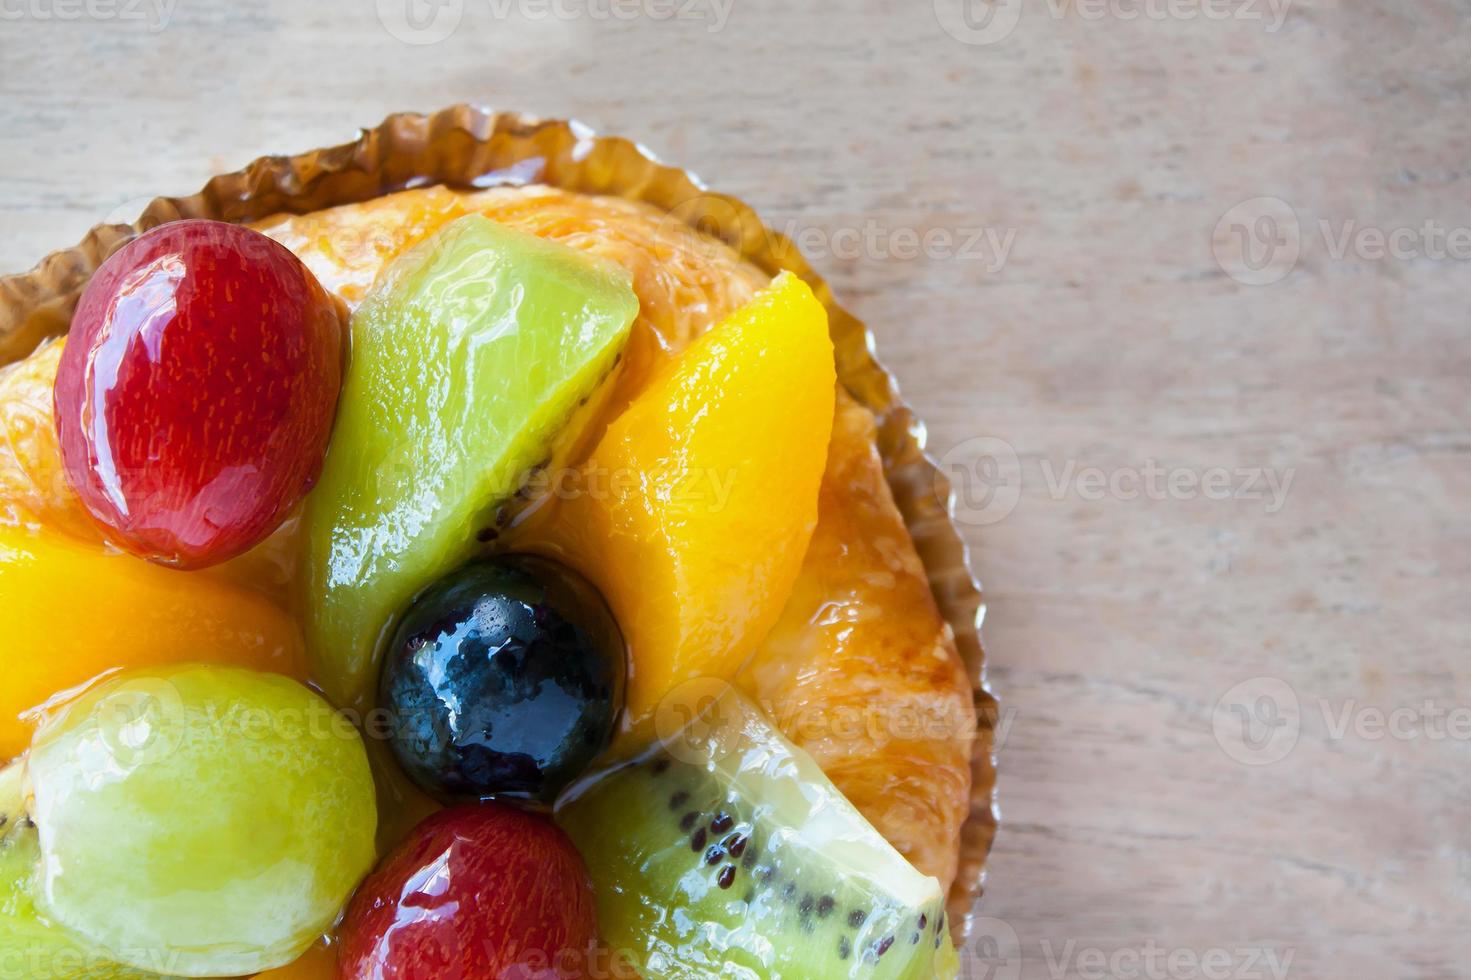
[(206, 821), (31, 947)]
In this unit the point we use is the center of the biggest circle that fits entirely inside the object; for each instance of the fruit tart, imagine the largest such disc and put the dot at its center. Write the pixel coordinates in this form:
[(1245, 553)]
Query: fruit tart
[(498, 576)]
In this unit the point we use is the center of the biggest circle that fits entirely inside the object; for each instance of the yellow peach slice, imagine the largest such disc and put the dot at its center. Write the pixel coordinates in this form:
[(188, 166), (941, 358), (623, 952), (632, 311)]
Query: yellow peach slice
[(74, 611), (693, 512)]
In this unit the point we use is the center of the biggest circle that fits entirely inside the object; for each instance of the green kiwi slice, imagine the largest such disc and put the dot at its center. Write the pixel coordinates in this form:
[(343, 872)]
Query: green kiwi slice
[(472, 363), (725, 851)]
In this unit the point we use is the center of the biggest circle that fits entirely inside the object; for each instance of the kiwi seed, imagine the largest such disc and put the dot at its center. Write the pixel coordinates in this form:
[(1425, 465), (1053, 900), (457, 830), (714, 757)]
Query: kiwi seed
[(688, 823), (727, 876), (697, 842)]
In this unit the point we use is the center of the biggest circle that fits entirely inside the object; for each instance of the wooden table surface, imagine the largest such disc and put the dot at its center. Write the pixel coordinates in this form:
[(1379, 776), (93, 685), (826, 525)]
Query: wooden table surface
[(1180, 287)]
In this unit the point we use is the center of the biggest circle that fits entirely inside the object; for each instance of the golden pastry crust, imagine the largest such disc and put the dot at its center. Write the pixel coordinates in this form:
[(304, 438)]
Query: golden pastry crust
[(861, 670)]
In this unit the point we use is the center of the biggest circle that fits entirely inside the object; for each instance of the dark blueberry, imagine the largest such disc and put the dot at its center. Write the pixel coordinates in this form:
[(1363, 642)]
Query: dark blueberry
[(505, 678)]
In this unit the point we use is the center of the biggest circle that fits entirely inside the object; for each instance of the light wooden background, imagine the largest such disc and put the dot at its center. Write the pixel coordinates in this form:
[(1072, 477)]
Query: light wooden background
[(1158, 820)]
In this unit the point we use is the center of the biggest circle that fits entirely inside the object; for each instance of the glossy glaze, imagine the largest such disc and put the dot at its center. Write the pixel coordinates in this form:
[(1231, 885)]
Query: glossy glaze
[(467, 367), (726, 852), (196, 393), (504, 679), (211, 819), (861, 671), (71, 611), (694, 510), (482, 892)]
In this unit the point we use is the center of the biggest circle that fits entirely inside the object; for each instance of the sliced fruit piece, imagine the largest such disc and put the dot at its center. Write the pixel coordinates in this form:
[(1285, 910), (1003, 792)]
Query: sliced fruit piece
[(694, 510), (35, 494), (196, 393), (349, 245), (725, 851), (33, 487), (216, 817), (861, 671), (504, 679), (468, 365), (73, 611), (477, 892), (31, 946), (687, 282)]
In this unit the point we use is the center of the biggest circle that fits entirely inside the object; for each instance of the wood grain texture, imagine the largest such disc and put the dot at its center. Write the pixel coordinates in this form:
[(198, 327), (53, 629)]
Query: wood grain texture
[(1142, 836)]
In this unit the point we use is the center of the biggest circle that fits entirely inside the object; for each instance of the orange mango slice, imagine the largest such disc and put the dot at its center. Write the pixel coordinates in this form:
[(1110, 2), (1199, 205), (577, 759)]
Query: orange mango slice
[(693, 512), (33, 487), (74, 611)]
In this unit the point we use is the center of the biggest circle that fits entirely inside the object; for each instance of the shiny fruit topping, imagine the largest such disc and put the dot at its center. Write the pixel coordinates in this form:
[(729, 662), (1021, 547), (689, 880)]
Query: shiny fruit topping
[(72, 611), (31, 946), (479, 892), (724, 851), (34, 492), (504, 679), (471, 366), (195, 397), (209, 818), (696, 507)]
